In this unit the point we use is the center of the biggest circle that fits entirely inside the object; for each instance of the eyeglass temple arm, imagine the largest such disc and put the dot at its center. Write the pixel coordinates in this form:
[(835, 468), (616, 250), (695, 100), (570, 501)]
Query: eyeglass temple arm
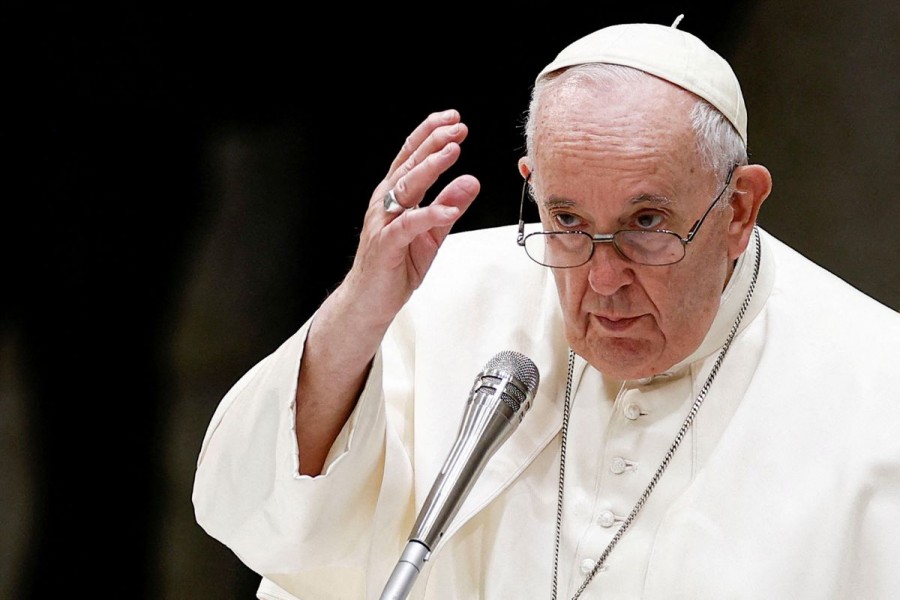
[(520, 237), (693, 231)]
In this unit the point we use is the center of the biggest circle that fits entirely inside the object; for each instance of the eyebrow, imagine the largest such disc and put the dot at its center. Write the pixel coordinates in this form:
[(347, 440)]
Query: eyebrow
[(651, 199), (554, 202), (654, 199)]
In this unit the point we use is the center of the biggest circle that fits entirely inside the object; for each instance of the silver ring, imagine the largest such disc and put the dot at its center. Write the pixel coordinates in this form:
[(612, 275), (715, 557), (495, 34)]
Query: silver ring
[(390, 203)]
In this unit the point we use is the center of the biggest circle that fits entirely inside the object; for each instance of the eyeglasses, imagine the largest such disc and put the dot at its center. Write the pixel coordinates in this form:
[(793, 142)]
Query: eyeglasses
[(568, 249)]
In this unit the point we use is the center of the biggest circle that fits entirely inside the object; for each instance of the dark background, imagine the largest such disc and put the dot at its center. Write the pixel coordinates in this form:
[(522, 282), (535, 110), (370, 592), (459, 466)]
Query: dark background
[(190, 187)]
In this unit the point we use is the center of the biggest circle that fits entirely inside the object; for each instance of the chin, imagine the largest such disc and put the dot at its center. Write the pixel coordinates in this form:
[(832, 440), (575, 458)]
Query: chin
[(622, 358), (619, 371)]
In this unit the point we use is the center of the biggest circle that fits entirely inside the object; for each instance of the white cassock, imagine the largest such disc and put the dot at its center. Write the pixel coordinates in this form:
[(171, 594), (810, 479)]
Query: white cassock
[(786, 486)]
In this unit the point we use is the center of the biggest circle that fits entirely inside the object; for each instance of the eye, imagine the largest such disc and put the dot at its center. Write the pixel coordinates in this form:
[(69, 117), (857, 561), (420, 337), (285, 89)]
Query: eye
[(648, 220), (568, 220)]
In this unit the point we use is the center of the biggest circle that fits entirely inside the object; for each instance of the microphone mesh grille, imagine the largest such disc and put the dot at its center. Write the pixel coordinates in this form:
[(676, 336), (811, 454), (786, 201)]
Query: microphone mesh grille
[(519, 365)]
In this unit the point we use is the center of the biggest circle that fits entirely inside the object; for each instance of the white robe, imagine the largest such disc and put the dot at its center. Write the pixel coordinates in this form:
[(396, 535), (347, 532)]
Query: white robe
[(786, 486)]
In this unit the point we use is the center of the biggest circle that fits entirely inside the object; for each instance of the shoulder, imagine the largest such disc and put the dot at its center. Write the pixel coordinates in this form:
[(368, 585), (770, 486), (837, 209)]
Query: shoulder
[(484, 259), (831, 332), (820, 293), (482, 278), (498, 242), (482, 292), (828, 358)]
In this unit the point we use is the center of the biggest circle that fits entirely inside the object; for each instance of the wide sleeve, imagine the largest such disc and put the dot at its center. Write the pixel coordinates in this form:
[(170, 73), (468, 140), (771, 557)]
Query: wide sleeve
[(249, 495)]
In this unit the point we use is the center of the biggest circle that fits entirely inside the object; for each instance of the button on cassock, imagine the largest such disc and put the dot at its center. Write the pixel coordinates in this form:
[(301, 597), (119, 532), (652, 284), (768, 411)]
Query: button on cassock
[(606, 519), (587, 565), (632, 411)]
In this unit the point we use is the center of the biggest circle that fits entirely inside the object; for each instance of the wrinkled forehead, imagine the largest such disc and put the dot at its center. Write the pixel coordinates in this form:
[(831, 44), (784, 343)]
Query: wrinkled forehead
[(614, 125), (592, 97)]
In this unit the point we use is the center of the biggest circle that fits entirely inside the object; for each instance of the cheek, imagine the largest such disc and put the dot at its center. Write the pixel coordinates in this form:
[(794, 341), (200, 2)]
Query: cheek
[(690, 309), (692, 297), (571, 285)]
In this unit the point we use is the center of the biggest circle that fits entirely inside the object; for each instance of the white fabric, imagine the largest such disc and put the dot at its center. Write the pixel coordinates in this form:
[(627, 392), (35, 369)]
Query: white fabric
[(668, 53), (787, 486)]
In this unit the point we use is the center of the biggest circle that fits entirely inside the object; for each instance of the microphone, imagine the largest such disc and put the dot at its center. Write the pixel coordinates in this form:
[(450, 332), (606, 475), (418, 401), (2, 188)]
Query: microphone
[(500, 397)]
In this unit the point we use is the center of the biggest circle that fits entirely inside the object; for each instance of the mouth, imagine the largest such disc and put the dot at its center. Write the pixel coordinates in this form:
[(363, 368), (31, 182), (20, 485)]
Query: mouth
[(617, 325)]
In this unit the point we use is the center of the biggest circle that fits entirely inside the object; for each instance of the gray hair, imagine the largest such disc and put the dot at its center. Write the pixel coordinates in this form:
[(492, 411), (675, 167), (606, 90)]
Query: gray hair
[(718, 142)]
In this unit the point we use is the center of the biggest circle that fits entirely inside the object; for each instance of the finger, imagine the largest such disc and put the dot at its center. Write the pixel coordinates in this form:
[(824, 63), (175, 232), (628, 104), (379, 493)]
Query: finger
[(410, 188), (420, 161), (437, 218), (394, 255), (421, 133), (438, 139)]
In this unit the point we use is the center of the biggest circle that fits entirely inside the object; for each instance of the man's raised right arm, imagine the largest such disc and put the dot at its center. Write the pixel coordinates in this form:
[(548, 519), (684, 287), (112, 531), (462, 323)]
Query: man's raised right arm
[(394, 253)]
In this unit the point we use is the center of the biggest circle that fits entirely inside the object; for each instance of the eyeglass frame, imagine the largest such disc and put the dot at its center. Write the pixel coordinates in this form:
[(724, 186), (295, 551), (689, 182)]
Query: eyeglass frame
[(609, 238)]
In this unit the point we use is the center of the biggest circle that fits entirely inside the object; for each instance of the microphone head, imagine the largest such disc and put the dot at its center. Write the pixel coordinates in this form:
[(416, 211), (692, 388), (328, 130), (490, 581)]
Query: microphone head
[(523, 373)]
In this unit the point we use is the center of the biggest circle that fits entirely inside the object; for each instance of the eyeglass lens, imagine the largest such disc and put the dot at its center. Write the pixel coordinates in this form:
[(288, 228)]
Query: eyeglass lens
[(573, 249)]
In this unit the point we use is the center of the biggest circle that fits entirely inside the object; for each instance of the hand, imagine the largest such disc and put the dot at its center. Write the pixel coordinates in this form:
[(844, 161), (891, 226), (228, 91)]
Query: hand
[(395, 251)]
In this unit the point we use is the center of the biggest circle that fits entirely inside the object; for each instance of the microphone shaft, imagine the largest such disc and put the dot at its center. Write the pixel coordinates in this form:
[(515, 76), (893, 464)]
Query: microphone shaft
[(483, 430), (499, 399), (406, 572)]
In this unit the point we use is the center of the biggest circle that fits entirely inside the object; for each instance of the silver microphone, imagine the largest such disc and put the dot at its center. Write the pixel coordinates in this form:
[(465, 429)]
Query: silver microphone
[(500, 397)]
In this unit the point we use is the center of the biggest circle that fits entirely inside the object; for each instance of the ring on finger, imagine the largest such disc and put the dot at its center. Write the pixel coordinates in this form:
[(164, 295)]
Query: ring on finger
[(390, 203)]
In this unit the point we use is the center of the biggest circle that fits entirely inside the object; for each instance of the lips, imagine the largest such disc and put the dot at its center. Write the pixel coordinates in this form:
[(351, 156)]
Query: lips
[(617, 324)]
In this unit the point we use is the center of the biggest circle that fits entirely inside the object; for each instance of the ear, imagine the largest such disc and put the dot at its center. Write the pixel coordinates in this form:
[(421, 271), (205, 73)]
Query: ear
[(752, 184), (524, 167)]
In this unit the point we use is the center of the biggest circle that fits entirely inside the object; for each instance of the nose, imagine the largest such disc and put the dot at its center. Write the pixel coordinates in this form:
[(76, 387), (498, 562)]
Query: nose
[(608, 270)]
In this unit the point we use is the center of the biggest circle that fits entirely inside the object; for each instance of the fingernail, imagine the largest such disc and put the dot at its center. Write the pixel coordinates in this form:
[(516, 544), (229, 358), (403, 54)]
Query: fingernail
[(449, 211)]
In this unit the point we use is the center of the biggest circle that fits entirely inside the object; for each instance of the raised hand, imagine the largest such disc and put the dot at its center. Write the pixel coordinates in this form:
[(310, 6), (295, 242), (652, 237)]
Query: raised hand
[(396, 249)]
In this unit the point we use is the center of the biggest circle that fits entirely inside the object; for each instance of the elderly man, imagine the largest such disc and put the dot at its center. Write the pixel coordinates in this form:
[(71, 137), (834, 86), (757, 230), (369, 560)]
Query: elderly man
[(715, 416)]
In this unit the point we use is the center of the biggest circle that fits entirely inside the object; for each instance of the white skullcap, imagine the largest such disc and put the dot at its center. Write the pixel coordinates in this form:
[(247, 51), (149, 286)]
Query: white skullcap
[(668, 53)]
